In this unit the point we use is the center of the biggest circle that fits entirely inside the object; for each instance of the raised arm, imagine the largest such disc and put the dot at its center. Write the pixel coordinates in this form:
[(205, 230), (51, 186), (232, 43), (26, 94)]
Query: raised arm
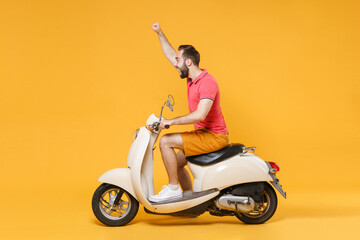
[(168, 50)]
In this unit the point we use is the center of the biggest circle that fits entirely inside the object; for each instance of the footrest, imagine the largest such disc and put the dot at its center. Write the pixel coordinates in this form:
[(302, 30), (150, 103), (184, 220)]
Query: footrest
[(186, 197)]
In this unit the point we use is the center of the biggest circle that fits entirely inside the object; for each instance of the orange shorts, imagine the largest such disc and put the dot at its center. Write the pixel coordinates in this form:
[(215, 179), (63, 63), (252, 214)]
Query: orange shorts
[(202, 141)]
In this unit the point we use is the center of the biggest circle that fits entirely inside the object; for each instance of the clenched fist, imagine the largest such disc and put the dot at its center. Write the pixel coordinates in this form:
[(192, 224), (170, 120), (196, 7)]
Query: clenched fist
[(156, 27)]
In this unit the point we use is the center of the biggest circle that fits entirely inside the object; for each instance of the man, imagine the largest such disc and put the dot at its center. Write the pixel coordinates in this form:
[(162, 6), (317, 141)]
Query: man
[(210, 132)]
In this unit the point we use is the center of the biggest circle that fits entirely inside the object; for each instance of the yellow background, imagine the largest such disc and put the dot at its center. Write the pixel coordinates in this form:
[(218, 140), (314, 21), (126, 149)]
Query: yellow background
[(77, 77)]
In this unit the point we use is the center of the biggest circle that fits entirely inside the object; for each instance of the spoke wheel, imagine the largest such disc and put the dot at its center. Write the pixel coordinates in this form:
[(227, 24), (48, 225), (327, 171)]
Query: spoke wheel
[(263, 211), (110, 213)]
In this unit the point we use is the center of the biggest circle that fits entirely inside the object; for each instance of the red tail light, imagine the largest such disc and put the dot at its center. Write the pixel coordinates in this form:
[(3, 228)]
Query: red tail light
[(275, 166)]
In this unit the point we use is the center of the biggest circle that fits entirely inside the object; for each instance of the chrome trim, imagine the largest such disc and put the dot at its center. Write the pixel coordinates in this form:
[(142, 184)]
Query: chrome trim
[(235, 203), (248, 150)]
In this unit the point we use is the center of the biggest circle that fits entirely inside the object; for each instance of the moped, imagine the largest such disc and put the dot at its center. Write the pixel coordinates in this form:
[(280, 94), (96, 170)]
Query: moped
[(232, 181)]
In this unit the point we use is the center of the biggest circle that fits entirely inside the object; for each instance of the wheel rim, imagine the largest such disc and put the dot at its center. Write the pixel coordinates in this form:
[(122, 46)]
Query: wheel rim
[(111, 211), (261, 209)]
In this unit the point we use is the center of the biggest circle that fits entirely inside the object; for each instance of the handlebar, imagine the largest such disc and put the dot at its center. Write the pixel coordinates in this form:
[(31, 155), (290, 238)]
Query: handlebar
[(156, 126), (169, 103)]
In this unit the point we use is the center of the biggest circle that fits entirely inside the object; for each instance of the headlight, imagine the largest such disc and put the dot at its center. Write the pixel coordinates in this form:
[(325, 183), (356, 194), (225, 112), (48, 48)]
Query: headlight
[(134, 135)]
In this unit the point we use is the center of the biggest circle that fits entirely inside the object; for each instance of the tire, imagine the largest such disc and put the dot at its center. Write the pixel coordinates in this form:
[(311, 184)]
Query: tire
[(111, 215), (254, 217)]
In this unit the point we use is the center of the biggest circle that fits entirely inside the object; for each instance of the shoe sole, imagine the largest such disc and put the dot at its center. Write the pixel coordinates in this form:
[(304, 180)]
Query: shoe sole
[(165, 200)]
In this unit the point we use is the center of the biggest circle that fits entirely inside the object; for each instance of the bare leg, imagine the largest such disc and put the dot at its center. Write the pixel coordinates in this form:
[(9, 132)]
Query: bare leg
[(167, 144), (183, 174)]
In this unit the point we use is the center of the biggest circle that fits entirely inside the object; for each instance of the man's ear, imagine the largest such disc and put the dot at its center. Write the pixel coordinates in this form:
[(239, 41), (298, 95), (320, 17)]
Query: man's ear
[(188, 62)]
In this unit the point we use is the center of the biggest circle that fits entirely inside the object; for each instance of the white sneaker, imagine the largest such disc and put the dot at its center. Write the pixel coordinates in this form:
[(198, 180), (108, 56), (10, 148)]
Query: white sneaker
[(166, 194)]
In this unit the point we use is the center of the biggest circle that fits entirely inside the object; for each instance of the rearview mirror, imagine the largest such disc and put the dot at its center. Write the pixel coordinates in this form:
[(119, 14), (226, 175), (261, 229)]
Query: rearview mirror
[(170, 102)]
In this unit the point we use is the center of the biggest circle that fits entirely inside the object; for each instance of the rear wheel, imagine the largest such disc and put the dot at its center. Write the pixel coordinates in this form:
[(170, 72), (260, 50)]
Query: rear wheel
[(263, 211), (110, 213)]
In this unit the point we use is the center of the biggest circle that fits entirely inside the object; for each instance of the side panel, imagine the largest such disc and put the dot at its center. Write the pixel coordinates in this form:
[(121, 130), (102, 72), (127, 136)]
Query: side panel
[(120, 177), (235, 170)]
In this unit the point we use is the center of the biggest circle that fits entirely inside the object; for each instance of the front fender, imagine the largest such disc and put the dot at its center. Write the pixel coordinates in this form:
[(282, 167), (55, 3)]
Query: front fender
[(120, 177)]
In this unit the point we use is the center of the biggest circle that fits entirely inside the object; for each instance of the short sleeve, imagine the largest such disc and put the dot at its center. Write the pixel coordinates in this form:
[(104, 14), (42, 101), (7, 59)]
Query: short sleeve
[(208, 89)]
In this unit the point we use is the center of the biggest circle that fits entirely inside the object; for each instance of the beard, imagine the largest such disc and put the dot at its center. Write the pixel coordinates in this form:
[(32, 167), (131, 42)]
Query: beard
[(184, 71)]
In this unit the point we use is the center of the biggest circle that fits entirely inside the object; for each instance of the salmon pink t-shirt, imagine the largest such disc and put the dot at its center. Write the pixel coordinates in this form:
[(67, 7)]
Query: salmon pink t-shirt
[(206, 87)]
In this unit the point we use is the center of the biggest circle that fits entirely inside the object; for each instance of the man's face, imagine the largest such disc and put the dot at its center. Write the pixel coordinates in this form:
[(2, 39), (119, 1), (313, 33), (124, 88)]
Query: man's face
[(181, 65)]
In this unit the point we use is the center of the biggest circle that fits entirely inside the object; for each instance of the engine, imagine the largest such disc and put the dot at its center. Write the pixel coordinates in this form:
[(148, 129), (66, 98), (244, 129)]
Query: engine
[(241, 198), (235, 203)]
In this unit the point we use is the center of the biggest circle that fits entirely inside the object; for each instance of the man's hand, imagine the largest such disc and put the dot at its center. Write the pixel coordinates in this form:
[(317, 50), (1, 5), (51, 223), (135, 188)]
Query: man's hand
[(165, 122), (156, 27)]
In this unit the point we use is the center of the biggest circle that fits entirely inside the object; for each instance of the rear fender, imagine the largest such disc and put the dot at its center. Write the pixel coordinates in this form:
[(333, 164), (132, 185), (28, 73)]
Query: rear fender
[(275, 181)]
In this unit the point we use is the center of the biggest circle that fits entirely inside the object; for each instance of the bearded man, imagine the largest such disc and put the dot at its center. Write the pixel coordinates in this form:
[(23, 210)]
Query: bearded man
[(210, 132)]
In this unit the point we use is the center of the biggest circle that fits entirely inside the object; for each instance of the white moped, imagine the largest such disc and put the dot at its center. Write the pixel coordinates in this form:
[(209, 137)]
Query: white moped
[(232, 181)]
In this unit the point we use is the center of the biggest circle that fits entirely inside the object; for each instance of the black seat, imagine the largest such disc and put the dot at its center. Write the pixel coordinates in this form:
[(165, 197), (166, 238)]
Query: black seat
[(217, 156)]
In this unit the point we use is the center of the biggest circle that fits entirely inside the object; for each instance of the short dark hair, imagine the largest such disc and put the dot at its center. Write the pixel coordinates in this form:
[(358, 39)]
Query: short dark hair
[(190, 52)]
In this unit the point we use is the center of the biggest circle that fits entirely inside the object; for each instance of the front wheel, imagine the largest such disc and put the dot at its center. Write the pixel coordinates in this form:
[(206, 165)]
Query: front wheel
[(264, 210), (113, 209)]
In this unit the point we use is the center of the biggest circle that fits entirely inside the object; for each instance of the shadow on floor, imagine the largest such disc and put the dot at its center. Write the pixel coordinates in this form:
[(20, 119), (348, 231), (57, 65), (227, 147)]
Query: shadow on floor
[(284, 213), (326, 211)]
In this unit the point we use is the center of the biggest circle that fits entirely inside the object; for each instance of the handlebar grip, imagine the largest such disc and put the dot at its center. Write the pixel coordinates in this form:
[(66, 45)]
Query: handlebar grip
[(167, 126)]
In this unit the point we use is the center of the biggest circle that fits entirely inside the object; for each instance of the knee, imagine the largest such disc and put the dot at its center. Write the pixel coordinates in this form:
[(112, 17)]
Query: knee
[(164, 141)]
